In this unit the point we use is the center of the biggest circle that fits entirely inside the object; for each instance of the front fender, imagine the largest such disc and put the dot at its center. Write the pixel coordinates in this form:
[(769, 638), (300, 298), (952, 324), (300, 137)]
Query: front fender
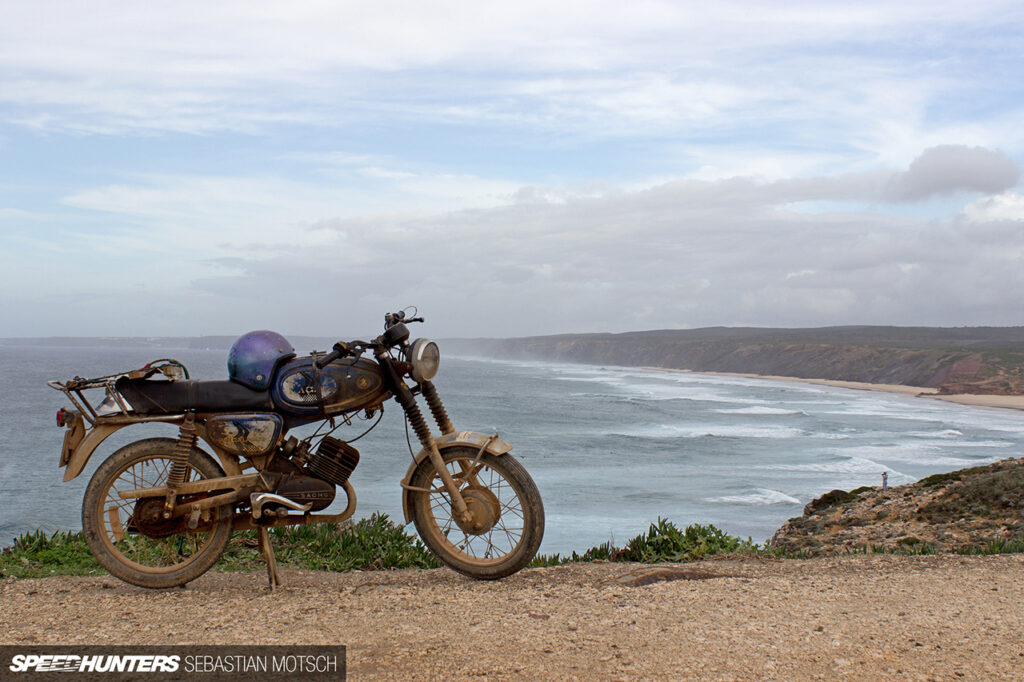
[(471, 439)]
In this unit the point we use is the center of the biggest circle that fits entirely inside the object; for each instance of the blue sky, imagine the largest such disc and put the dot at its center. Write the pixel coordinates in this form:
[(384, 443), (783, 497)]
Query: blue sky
[(510, 168)]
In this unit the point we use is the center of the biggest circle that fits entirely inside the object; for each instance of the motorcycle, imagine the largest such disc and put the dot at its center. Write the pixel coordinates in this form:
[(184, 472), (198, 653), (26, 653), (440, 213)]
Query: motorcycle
[(159, 512)]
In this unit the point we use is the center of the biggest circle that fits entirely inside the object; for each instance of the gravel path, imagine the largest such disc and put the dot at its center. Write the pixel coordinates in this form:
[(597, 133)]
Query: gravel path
[(856, 617)]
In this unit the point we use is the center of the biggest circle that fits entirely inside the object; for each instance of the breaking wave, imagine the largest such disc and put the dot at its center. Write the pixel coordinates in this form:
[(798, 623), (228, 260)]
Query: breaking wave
[(709, 430), (760, 409), (762, 496)]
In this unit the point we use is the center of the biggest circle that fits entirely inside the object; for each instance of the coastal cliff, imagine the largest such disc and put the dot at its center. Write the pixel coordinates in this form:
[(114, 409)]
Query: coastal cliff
[(972, 510), (980, 360)]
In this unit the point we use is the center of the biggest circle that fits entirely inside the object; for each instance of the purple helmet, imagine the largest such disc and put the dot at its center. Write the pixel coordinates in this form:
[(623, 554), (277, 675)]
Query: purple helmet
[(255, 356)]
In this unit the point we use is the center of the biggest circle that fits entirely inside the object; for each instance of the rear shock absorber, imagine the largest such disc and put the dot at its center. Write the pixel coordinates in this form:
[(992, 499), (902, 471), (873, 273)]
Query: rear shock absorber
[(179, 460), (436, 407)]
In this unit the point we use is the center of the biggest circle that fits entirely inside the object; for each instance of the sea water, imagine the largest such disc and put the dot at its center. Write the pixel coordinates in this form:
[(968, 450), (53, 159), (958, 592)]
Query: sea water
[(612, 449)]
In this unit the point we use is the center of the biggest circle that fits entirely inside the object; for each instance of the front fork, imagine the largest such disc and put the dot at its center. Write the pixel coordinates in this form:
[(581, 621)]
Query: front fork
[(406, 399)]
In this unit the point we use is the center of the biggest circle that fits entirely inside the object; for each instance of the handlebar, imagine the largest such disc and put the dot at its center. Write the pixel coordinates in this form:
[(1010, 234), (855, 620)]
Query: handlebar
[(343, 349), (391, 319)]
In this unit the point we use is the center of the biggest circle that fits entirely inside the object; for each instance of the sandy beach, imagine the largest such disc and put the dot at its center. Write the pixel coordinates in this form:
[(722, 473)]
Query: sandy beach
[(1013, 402)]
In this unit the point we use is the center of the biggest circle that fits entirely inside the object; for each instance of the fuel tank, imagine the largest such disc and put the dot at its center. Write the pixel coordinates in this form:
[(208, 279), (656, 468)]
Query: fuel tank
[(346, 385)]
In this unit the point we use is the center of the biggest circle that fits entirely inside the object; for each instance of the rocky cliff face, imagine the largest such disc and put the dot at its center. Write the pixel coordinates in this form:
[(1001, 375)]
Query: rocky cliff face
[(957, 511)]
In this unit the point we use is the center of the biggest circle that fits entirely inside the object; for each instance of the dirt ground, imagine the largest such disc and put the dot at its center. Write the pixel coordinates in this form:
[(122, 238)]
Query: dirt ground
[(850, 617)]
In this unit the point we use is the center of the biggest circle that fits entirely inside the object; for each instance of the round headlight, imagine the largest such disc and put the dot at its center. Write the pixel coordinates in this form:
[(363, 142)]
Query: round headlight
[(425, 357)]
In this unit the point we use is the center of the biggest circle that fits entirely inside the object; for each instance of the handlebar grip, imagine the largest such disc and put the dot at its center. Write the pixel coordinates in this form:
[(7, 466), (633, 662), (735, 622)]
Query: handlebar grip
[(341, 349), (327, 359)]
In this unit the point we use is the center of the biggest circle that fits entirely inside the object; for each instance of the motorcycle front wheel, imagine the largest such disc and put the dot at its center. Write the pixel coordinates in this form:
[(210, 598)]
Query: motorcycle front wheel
[(128, 537), (507, 521)]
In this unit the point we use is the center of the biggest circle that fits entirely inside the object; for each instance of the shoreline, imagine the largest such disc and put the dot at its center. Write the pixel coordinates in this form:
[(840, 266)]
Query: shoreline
[(1008, 402)]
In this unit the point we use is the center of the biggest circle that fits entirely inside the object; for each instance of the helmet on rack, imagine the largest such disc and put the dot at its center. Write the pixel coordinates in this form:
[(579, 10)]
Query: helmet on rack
[(255, 356)]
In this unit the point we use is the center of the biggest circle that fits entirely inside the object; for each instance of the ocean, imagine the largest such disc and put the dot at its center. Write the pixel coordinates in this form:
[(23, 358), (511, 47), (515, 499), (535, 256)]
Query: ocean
[(612, 449)]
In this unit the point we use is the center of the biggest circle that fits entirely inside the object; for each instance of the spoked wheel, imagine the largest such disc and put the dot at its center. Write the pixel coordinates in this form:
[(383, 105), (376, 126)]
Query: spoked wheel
[(130, 538), (507, 516)]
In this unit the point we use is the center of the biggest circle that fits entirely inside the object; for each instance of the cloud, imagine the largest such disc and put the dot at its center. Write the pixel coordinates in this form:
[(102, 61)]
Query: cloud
[(948, 169), (520, 168), (1007, 206), (712, 71), (681, 254), (685, 253)]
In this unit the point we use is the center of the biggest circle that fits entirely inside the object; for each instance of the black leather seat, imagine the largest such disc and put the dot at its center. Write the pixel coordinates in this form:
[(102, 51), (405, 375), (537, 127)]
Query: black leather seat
[(169, 397)]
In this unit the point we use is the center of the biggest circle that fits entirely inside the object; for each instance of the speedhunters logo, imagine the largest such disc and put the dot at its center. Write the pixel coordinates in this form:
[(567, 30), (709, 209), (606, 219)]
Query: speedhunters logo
[(68, 663), (173, 662)]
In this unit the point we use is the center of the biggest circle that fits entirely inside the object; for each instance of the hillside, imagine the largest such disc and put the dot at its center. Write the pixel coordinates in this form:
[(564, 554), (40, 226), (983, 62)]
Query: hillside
[(983, 360), (965, 511)]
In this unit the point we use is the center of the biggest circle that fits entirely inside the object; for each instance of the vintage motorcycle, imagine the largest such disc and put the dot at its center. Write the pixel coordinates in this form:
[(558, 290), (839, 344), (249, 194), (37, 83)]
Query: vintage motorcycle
[(159, 512)]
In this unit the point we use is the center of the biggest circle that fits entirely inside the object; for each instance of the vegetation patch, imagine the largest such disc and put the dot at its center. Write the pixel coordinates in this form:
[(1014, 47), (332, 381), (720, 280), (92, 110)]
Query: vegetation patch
[(983, 507), (940, 479), (38, 555), (994, 494), (376, 543), (833, 498)]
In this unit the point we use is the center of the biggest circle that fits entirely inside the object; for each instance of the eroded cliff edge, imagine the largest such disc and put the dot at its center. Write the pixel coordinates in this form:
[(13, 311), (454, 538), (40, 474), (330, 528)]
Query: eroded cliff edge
[(980, 509)]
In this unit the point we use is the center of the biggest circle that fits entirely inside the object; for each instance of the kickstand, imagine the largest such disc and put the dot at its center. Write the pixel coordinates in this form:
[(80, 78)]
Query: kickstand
[(268, 554)]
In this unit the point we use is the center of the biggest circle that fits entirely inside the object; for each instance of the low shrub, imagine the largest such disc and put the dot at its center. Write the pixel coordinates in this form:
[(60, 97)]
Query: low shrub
[(665, 542)]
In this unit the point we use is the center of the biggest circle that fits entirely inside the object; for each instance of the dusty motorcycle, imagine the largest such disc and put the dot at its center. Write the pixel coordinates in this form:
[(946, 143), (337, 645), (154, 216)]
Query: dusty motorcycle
[(159, 512)]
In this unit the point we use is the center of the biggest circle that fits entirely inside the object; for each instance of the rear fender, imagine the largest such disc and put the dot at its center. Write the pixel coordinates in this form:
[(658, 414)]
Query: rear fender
[(471, 439), (78, 455)]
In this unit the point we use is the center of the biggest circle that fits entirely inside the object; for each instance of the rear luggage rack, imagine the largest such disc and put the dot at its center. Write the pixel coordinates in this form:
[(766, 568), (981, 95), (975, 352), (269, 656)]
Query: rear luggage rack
[(114, 403)]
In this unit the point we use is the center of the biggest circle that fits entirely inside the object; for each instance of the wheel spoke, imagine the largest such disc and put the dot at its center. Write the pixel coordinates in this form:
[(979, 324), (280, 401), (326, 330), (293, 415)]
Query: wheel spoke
[(508, 528), (147, 552)]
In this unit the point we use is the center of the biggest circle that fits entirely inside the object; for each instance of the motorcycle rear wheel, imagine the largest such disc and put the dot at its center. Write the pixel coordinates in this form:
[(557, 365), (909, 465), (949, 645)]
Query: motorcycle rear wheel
[(112, 532), (508, 520)]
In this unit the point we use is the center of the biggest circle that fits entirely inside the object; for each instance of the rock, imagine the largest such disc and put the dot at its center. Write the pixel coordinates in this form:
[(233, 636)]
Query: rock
[(956, 511)]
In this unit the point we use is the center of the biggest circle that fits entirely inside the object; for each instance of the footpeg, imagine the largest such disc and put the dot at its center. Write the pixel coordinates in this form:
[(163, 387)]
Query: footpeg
[(260, 499)]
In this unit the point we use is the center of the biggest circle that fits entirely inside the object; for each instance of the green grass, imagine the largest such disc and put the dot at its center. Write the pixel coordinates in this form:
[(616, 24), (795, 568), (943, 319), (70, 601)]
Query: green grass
[(370, 544), (996, 547), (37, 555), (663, 542), (377, 543)]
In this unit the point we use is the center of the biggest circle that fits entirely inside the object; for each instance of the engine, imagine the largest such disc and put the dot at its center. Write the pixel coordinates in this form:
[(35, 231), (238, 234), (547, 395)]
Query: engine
[(307, 489), (333, 461), (313, 477)]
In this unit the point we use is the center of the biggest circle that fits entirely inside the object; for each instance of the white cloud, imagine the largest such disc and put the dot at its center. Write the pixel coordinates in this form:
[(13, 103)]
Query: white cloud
[(604, 68), (1006, 206)]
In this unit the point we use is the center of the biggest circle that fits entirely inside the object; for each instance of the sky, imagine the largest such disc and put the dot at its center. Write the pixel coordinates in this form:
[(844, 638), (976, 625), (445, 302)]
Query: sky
[(511, 169)]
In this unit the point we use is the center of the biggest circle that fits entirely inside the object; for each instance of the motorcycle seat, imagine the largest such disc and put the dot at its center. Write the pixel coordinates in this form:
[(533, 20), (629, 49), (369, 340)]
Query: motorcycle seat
[(171, 397)]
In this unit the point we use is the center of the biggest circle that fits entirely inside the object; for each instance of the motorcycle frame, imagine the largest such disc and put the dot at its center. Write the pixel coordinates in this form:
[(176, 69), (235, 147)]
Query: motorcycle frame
[(80, 442)]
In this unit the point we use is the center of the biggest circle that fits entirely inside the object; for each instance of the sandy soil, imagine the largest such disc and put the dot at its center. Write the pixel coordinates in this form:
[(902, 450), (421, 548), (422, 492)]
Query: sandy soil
[(1015, 402), (852, 617)]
